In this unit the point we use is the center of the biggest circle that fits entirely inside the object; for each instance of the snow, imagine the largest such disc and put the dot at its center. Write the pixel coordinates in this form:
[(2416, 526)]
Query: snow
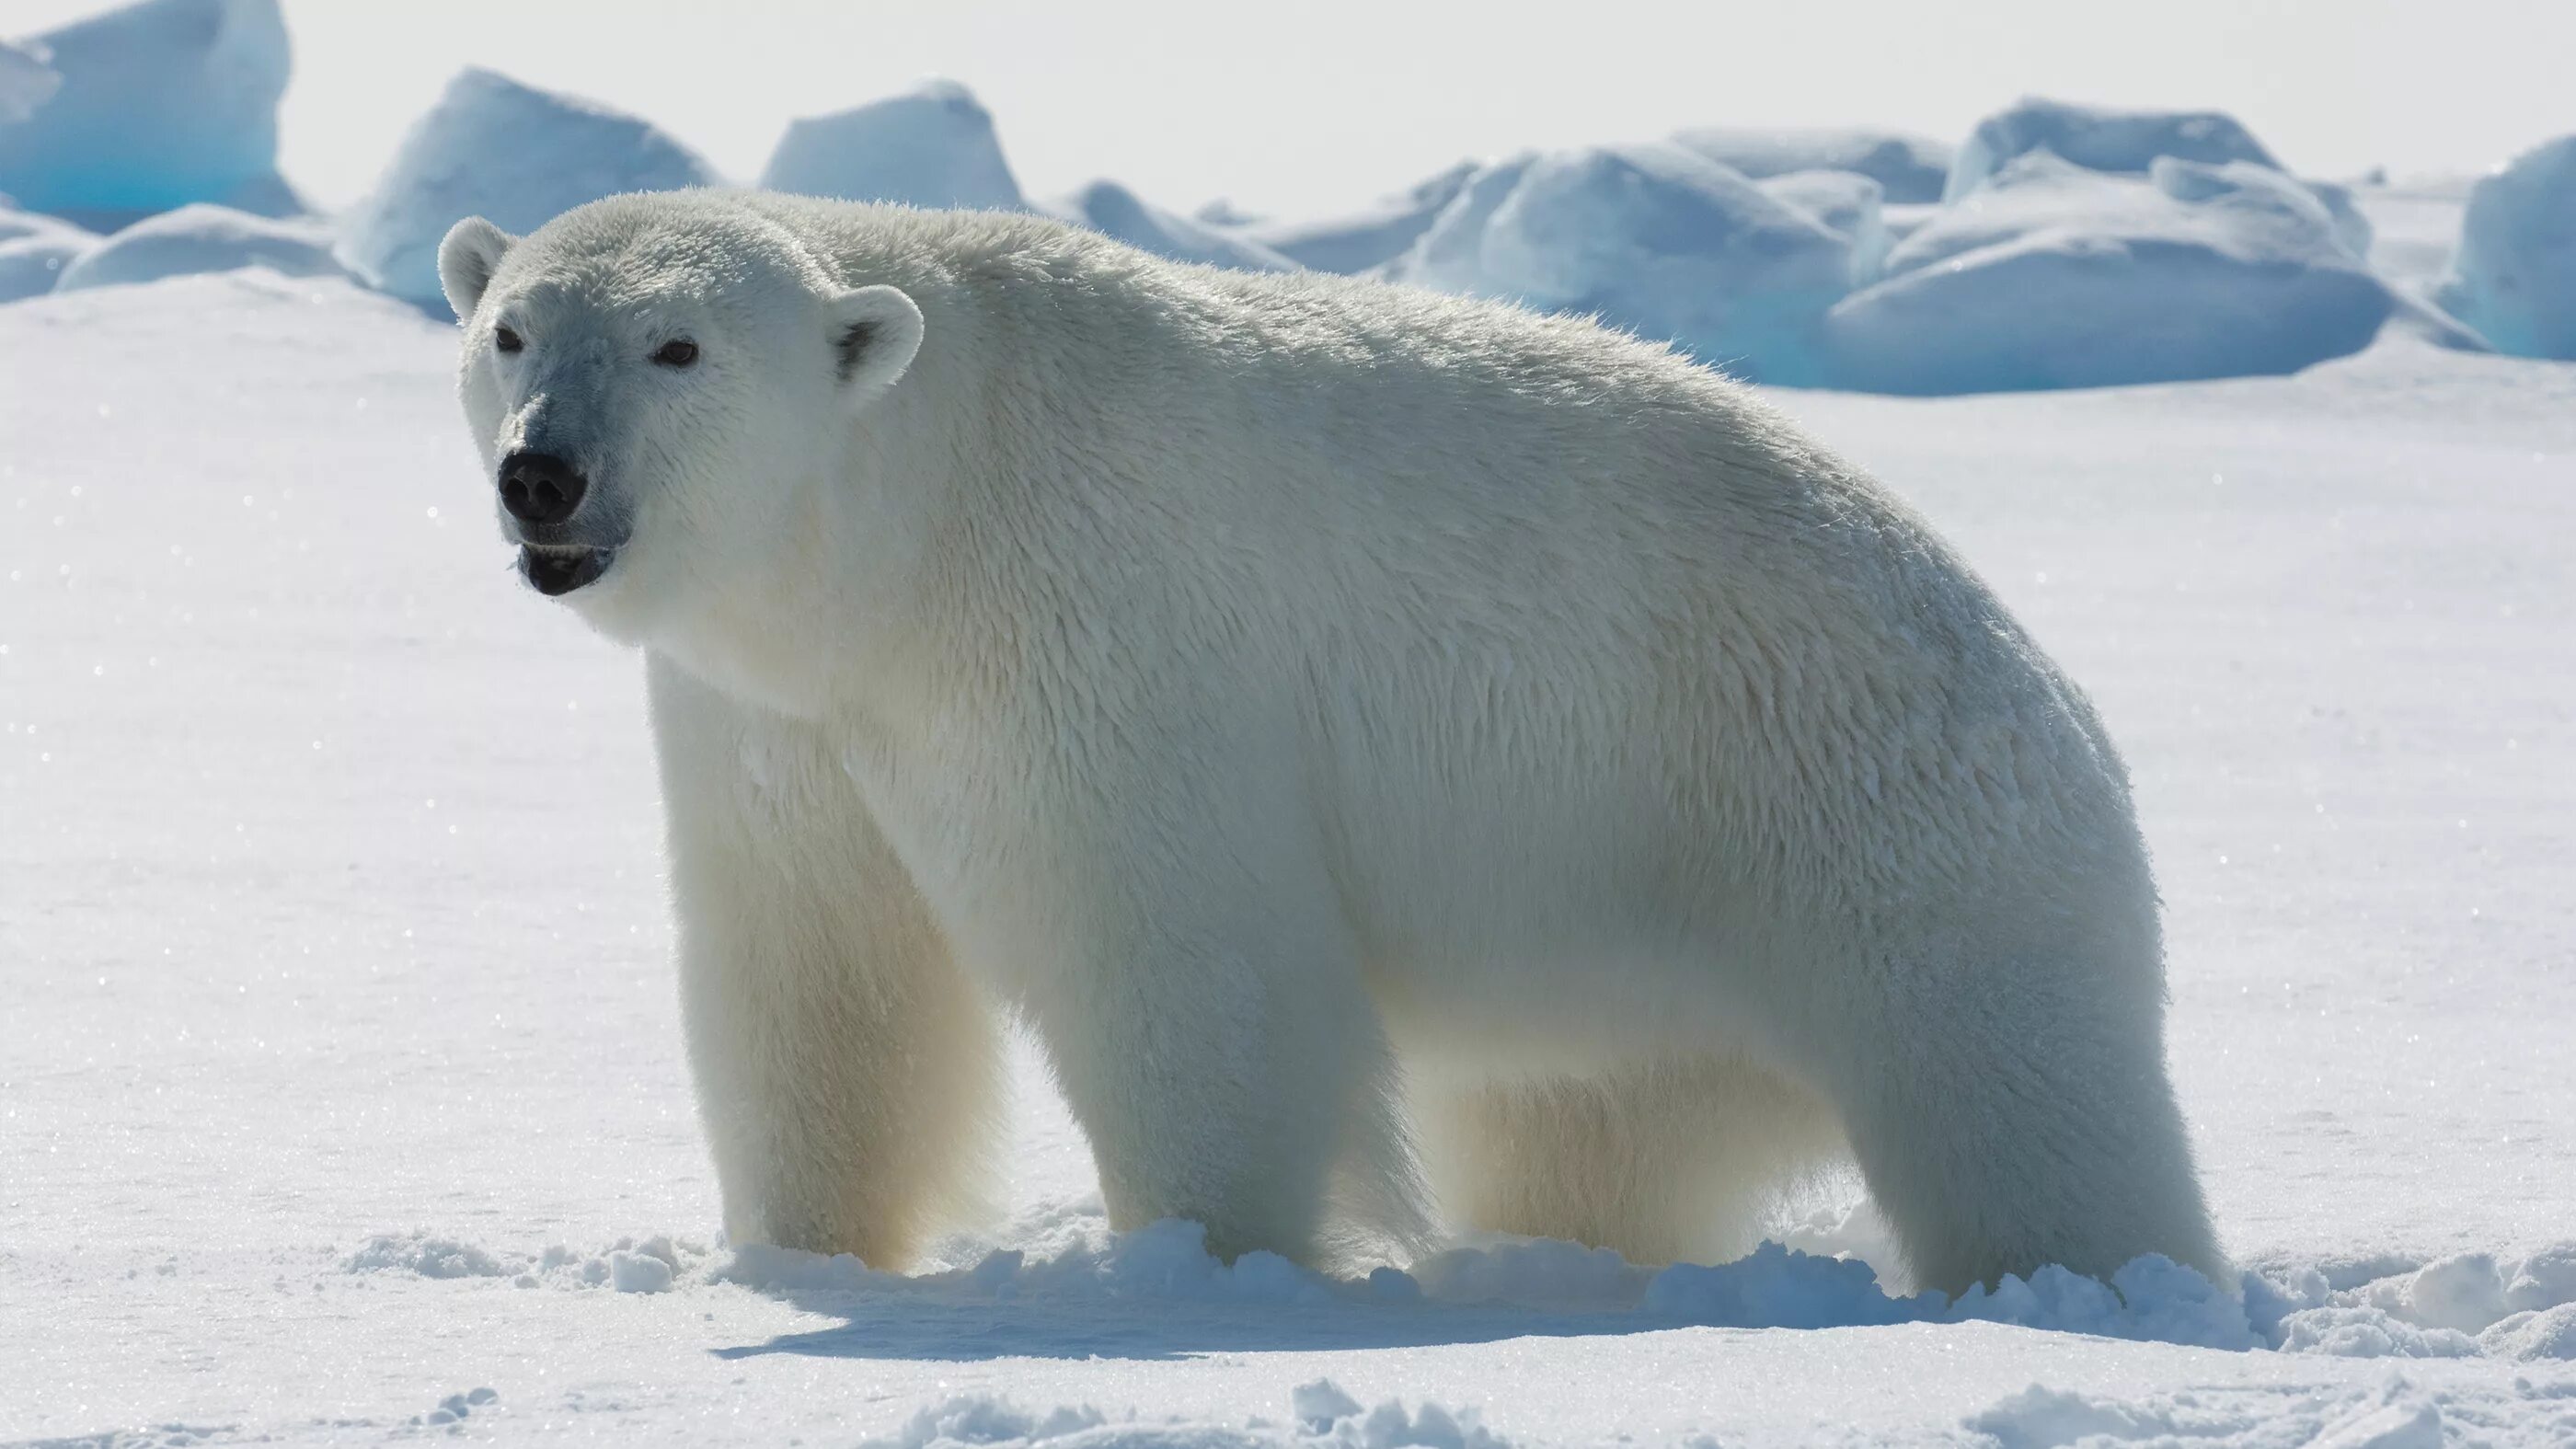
[(1653, 238), (2052, 275), (1371, 237), (934, 146), (325, 1118), (201, 238), (1108, 207), (34, 250), (2098, 139), (519, 156), (2514, 276), (1908, 169), (157, 104)]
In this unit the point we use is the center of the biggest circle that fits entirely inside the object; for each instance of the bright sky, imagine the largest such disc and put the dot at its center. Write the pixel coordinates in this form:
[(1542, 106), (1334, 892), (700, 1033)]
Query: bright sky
[(1313, 106)]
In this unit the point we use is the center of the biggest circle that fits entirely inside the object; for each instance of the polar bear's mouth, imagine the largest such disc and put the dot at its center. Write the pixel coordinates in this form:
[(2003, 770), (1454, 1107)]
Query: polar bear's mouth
[(557, 569)]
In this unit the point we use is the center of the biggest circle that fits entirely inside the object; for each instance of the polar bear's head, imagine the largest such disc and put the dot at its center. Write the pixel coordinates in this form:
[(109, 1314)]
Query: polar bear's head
[(657, 387)]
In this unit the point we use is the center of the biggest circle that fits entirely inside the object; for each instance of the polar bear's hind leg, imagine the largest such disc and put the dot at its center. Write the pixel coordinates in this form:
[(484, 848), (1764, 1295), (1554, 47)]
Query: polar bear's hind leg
[(1672, 1161)]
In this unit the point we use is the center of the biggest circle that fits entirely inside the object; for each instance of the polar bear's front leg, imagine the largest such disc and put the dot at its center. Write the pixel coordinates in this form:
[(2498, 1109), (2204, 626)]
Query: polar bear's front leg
[(847, 1072), (1197, 991)]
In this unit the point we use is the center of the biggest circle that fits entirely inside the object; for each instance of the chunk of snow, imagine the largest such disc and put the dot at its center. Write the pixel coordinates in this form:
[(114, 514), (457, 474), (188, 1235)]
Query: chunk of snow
[(35, 251), (2546, 1279), (2545, 1335), (931, 147), (427, 1257), (26, 82), (1371, 236), (202, 237), (638, 1273), (1169, 1259), (2355, 1331), (982, 1419), (1778, 1287), (1317, 1405), (2149, 1298), (1323, 1417), (519, 156), (2513, 277), (2053, 276), (1906, 168), (1107, 207), (1653, 238), (155, 105), (2463, 1292), (2097, 139)]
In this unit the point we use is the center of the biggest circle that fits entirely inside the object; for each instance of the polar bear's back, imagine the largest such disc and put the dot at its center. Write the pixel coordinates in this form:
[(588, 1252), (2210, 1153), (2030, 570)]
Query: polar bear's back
[(1499, 563)]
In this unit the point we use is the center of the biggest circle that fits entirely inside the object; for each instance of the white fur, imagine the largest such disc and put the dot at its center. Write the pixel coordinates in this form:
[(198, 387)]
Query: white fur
[(1258, 683)]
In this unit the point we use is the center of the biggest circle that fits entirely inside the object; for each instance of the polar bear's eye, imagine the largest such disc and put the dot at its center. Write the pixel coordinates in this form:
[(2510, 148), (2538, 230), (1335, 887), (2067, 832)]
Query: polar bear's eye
[(678, 352), (506, 340)]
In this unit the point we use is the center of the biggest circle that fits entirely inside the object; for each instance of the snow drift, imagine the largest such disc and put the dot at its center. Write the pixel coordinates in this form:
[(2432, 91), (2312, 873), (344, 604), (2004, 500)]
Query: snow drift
[(1654, 238), (1106, 206), (1908, 169), (2054, 276), (149, 107), (495, 148), (34, 250), (2514, 275), (1372, 236), (202, 238), (2098, 139), (932, 147)]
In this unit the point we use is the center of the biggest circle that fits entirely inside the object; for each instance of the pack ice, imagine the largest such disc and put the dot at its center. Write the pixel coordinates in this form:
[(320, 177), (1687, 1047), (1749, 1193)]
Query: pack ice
[(934, 146), (1655, 238), (495, 148), (2514, 276), (145, 108), (2051, 275)]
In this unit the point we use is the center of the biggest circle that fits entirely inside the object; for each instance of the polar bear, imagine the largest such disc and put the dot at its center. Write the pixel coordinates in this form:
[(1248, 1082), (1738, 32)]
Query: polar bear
[(1403, 758)]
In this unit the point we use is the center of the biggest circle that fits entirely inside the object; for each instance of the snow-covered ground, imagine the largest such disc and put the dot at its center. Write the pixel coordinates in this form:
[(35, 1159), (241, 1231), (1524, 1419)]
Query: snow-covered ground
[(340, 1080)]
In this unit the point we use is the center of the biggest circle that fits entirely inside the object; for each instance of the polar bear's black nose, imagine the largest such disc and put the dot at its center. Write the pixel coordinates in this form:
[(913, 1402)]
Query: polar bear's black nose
[(540, 487)]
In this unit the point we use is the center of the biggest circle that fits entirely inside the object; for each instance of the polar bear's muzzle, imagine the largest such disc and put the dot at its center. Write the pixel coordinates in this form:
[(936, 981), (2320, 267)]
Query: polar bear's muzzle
[(560, 549), (559, 570)]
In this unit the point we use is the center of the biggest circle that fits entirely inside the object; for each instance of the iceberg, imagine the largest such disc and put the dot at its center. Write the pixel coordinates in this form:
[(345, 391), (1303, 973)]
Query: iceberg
[(2055, 276), (1908, 169), (26, 82), (520, 156), (1849, 204), (932, 147), (2513, 277), (2098, 140), (202, 237), (1653, 238), (1370, 237), (1107, 207), (149, 107)]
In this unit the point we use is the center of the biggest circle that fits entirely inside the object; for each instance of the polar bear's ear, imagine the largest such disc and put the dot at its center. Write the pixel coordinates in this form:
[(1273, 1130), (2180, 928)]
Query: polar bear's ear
[(466, 260), (876, 332)]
